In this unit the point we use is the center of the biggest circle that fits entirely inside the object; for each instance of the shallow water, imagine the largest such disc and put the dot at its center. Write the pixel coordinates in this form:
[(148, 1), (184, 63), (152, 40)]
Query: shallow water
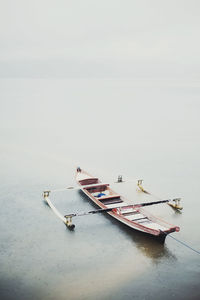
[(140, 129)]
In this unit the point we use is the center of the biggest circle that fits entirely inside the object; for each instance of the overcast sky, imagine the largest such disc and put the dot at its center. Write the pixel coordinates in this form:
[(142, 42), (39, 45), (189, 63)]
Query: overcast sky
[(88, 38)]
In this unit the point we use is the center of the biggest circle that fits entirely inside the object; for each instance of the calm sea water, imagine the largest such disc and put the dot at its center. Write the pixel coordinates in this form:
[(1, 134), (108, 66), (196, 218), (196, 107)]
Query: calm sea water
[(137, 128)]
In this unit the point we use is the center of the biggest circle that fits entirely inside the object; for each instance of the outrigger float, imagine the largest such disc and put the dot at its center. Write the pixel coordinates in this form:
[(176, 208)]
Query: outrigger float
[(116, 206)]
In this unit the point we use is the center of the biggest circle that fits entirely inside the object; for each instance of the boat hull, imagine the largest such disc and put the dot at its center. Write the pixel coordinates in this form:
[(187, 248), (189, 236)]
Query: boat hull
[(91, 186), (160, 237)]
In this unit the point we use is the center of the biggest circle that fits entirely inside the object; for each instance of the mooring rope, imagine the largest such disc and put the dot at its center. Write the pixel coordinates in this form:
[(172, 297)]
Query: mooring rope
[(58, 214), (184, 244), (177, 240), (181, 242)]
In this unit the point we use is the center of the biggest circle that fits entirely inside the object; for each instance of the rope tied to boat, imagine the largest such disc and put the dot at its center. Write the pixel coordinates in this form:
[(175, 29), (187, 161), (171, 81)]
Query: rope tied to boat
[(182, 243)]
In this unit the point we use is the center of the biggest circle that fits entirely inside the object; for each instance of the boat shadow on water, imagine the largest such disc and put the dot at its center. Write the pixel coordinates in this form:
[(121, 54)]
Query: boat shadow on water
[(147, 244)]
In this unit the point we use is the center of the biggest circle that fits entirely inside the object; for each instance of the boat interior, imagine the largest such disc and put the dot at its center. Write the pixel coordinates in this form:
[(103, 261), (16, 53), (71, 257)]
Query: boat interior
[(104, 194)]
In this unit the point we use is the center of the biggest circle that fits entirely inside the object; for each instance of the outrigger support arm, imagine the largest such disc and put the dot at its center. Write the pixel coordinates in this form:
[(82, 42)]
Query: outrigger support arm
[(110, 209), (119, 180), (139, 184), (66, 220), (176, 205)]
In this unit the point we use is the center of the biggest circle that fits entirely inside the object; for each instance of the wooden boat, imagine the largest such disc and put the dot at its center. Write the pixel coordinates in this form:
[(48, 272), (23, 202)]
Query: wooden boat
[(133, 216)]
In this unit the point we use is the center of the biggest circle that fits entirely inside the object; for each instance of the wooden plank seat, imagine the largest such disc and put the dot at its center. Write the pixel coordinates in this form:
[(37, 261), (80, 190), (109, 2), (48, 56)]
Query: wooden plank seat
[(97, 188), (108, 197), (116, 205), (127, 210), (88, 181), (135, 217), (111, 200), (131, 213), (140, 219)]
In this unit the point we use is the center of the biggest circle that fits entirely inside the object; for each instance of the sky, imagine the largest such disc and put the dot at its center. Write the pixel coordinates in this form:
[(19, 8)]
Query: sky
[(100, 39)]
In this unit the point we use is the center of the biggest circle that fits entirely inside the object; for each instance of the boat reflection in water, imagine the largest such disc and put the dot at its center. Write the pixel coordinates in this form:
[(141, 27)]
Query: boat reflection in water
[(148, 245), (151, 248)]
